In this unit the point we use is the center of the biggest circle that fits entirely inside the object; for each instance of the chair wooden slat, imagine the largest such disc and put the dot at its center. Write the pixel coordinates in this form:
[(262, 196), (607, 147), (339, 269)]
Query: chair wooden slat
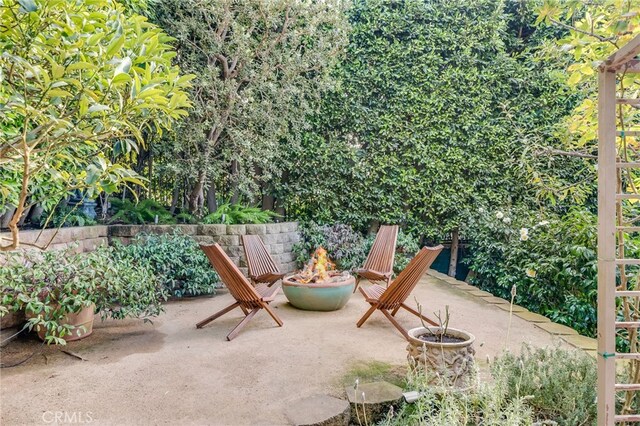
[(394, 296), (379, 263), (248, 298), (262, 267)]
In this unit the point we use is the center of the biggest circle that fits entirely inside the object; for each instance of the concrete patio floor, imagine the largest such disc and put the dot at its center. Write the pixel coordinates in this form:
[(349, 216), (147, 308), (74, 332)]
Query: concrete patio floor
[(169, 372)]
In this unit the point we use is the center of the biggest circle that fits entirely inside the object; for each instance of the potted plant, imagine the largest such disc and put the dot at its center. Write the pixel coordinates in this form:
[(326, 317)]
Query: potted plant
[(445, 353), (60, 291)]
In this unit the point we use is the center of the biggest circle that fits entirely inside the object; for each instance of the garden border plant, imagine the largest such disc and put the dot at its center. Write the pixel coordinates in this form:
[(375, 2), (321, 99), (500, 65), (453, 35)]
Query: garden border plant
[(49, 285)]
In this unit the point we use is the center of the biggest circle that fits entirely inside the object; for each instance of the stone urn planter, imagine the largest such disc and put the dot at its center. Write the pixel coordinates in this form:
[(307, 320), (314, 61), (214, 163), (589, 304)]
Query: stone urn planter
[(328, 295), (83, 318), (449, 360)]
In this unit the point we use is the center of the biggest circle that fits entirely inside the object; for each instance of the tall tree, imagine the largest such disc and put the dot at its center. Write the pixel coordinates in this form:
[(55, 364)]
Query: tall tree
[(260, 68), (77, 78)]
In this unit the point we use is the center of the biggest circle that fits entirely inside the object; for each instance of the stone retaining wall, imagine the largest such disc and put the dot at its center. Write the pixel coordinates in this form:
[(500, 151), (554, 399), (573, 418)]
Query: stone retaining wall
[(279, 238), (82, 238)]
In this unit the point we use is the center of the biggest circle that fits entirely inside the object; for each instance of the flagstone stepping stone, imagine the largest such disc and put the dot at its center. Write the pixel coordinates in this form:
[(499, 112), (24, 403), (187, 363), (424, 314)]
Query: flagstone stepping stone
[(378, 398), (582, 342), (319, 410), (466, 287), (532, 317), (495, 300), (516, 308), (480, 293), (555, 328)]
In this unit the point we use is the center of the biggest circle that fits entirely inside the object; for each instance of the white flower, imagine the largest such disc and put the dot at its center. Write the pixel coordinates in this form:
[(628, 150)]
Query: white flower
[(499, 215), (506, 220), (524, 234), (480, 210), (531, 273), (543, 223)]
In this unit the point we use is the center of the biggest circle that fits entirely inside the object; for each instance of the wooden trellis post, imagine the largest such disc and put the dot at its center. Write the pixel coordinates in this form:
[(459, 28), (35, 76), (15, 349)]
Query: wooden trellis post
[(612, 227)]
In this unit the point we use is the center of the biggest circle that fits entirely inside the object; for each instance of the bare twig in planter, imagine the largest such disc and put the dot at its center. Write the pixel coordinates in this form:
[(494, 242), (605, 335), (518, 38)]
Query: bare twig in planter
[(443, 325)]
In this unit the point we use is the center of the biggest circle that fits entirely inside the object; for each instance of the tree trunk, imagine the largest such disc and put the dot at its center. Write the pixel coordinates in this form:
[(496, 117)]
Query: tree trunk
[(268, 202), (234, 182), (174, 198), (212, 203), (196, 198), (453, 260)]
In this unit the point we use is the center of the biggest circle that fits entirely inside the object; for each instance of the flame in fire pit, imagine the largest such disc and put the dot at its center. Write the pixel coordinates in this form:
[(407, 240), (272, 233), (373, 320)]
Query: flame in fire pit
[(317, 268)]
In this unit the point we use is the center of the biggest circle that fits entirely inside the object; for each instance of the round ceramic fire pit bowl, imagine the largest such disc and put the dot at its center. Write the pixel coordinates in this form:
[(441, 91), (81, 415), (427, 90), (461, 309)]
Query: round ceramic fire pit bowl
[(322, 296)]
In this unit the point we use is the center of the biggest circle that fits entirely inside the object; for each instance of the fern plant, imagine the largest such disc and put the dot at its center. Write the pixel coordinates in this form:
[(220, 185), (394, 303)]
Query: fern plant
[(233, 214), (143, 212)]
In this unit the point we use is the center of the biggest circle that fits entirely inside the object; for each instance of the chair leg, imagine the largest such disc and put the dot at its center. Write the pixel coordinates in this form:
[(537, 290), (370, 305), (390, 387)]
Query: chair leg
[(241, 324), (416, 313), (357, 283), (366, 316), (244, 310), (395, 311), (217, 314), (275, 317), (396, 324)]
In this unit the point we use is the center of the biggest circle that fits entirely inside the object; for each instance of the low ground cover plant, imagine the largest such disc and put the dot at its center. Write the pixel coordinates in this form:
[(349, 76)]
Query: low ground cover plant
[(539, 386)]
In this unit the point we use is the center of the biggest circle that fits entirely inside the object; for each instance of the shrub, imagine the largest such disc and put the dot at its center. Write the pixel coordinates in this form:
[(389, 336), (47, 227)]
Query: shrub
[(488, 403), (348, 248), (52, 284), (559, 384), (232, 214), (551, 260), (176, 259), (125, 211), (345, 247), (65, 215), (539, 386)]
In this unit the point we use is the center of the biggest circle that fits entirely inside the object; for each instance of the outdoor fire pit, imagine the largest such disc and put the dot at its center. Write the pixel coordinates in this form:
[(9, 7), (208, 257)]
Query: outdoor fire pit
[(318, 287)]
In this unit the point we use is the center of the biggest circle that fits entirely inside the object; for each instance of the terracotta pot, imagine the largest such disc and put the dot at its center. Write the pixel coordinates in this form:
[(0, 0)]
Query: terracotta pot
[(323, 296), (82, 318), (452, 362), (12, 319)]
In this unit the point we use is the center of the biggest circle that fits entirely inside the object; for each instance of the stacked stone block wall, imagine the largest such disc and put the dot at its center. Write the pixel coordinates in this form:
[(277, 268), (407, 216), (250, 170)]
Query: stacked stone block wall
[(279, 238), (80, 239)]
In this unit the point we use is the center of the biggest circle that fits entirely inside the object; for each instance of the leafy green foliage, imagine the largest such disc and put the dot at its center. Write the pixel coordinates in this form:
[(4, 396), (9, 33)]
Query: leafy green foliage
[(176, 259), (430, 109), (551, 261), (558, 384), (139, 213), (77, 77), (346, 247), (542, 384), (261, 67), (65, 215), (232, 214), (52, 284)]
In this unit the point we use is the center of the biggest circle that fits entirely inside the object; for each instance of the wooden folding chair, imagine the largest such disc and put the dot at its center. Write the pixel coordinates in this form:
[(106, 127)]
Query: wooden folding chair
[(250, 299), (379, 263), (262, 268), (393, 297)]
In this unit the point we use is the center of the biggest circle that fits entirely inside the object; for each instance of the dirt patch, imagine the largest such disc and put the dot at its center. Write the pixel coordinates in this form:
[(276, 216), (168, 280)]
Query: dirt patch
[(169, 372)]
